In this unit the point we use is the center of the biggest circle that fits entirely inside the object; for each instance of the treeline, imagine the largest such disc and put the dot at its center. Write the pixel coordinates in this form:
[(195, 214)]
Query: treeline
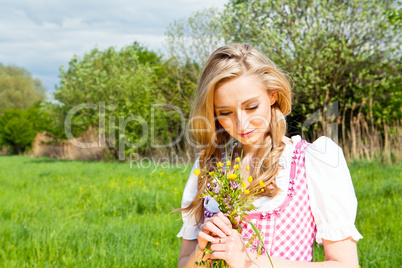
[(344, 58)]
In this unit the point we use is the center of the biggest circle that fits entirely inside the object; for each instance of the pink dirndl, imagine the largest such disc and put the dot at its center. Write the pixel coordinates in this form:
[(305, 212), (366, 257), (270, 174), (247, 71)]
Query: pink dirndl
[(289, 230)]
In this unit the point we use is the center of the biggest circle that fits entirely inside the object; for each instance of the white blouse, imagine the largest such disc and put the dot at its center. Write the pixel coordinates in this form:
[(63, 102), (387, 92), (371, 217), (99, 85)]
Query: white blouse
[(332, 198)]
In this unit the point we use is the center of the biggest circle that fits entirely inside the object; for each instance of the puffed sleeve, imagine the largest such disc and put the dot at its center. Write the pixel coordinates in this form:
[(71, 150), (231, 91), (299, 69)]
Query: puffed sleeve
[(189, 230), (332, 197)]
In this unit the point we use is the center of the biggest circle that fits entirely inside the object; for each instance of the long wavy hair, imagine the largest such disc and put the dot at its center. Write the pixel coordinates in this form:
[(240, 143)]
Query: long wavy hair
[(225, 63)]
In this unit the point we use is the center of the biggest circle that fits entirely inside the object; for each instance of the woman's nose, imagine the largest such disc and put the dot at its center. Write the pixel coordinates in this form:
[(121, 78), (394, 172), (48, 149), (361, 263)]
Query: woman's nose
[(242, 121)]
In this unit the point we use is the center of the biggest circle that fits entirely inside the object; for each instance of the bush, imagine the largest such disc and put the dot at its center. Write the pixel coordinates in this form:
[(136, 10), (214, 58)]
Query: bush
[(17, 132)]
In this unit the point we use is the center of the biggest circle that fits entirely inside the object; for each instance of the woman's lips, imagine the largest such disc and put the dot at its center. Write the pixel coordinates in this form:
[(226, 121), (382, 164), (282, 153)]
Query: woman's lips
[(247, 134)]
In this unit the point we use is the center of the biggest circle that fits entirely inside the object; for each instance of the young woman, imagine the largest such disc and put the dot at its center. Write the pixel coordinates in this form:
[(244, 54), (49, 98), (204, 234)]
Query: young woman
[(309, 195)]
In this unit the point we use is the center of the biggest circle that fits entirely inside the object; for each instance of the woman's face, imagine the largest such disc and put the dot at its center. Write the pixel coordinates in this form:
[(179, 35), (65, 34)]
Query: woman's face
[(243, 108)]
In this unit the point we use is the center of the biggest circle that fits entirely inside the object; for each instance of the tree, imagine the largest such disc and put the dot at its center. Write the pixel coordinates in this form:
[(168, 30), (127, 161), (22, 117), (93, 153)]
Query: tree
[(334, 50), (18, 89), (17, 131), (116, 86), (189, 42)]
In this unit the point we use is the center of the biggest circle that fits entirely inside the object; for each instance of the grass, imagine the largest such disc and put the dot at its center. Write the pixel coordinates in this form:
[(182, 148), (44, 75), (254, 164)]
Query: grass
[(378, 191), (58, 213)]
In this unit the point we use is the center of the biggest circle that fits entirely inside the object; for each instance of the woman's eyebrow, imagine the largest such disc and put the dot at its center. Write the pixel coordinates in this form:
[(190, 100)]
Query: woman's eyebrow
[(244, 102)]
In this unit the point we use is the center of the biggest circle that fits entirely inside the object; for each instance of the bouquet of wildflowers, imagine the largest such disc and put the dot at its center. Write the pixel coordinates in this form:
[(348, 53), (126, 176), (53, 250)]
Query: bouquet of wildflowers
[(230, 191)]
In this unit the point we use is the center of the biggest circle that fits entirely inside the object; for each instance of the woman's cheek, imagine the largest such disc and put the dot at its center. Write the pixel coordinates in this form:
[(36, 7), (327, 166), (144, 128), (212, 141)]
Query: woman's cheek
[(261, 121), (225, 123), (258, 124)]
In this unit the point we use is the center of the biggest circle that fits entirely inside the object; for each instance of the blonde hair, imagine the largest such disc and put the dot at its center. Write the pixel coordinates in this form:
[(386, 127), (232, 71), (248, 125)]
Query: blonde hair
[(225, 63)]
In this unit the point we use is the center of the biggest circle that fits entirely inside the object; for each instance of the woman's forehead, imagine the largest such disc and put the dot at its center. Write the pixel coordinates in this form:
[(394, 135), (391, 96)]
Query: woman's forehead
[(238, 90)]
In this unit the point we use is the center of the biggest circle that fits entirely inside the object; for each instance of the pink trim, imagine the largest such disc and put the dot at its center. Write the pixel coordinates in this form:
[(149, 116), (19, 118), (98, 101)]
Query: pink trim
[(293, 167), (299, 144)]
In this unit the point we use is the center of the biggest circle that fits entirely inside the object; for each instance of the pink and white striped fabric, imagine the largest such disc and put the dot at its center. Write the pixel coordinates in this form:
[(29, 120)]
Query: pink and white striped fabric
[(289, 230)]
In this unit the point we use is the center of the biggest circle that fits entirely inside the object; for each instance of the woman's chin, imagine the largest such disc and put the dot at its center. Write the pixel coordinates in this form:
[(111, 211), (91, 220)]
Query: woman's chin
[(253, 140), (248, 140)]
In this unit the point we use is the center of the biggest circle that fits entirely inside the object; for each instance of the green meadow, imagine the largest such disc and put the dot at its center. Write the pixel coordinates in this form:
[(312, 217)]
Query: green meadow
[(57, 213)]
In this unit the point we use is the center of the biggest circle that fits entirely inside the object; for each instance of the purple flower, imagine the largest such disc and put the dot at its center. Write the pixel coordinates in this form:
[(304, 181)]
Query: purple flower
[(259, 245), (217, 189), (208, 186), (234, 184)]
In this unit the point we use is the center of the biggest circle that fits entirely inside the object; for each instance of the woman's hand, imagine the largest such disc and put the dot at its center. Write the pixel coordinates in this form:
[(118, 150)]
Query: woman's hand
[(226, 242), (214, 228), (232, 250)]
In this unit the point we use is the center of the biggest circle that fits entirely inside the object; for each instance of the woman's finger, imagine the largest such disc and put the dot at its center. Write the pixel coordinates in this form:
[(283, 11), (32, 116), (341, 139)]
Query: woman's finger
[(221, 225), (225, 219), (218, 255), (220, 246), (206, 236), (209, 226)]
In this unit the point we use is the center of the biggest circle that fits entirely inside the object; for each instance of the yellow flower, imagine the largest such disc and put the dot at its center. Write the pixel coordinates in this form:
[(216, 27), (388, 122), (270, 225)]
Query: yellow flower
[(236, 167), (237, 159), (250, 179), (262, 184), (358, 171), (232, 176), (243, 185), (262, 190), (157, 243), (212, 172), (219, 164), (228, 163), (231, 188), (197, 172), (246, 191), (247, 168)]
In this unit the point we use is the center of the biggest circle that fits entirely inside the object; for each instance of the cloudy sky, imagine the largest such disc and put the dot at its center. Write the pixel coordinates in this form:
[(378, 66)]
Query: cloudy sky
[(42, 35)]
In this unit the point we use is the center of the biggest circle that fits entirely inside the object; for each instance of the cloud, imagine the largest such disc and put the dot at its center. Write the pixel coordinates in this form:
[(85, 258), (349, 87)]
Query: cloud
[(42, 35)]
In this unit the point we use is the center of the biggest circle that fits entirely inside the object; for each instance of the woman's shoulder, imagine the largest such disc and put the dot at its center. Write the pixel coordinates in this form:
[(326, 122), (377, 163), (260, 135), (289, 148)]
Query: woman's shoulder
[(324, 151)]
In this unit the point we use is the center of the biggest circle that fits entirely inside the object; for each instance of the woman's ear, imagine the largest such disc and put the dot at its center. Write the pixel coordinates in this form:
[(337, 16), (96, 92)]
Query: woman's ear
[(274, 97)]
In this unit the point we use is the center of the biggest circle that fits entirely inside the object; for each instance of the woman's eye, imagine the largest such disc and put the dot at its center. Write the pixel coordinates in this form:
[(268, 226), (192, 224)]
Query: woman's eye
[(252, 108)]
